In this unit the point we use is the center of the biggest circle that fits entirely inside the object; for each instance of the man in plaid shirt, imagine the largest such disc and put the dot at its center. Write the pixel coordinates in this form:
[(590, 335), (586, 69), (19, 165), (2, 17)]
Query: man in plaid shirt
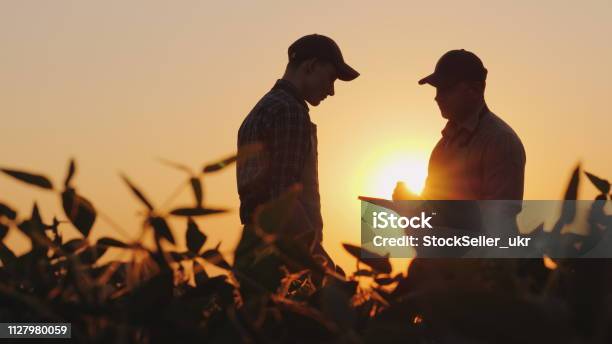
[(280, 124)]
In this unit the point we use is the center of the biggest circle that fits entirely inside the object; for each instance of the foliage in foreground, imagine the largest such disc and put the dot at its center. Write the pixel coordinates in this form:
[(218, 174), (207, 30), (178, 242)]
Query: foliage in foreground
[(276, 291)]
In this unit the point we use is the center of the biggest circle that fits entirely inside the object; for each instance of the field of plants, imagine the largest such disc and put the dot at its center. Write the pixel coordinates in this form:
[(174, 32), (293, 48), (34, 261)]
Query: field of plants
[(275, 291)]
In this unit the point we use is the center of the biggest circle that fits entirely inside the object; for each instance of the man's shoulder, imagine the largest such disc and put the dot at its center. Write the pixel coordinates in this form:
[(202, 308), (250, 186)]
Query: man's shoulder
[(276, 106), (495, 127), (500, 135), (278, 101)]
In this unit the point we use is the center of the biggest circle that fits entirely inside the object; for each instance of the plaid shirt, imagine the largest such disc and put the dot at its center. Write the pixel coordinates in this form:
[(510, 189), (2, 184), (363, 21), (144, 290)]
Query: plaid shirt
[(481, 158), (281, 123)]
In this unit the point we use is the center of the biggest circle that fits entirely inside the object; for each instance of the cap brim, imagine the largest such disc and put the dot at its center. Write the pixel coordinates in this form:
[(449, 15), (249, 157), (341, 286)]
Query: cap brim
[(430, 79), (437, 81), (346, 72)]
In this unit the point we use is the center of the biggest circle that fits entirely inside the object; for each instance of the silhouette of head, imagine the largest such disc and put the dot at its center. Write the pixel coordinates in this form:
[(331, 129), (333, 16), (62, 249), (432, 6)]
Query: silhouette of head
[(460, 81), (315, 62)]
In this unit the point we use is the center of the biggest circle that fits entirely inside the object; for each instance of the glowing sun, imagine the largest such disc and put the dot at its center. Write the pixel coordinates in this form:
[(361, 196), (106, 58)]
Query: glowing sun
[(408, 167)]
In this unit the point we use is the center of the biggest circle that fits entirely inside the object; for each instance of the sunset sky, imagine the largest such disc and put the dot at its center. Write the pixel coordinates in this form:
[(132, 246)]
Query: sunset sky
[(118, 84)]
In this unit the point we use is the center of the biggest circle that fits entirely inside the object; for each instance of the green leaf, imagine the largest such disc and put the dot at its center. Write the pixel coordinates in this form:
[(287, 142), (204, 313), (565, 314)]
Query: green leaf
[(214, 257), (137, 192), (176, 165), (371, 259), (110, 242), (5, 210), (297, 255), (196, 211), (70, 174), (161, 228), (30, 178), (178, 256), (6, 255), (196, 185), (219, 165), (34, 228), (571, 193), (36, 218), (74, 245), (199, 273), (568, 210), (384, 280), (601, 184), (79, 211), (3, 230), (195, 238), (92, 253), (363, 272), (275, 214)]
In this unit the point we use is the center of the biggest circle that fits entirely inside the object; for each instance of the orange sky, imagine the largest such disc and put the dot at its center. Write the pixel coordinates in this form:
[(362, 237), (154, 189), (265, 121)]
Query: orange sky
[(117, 84)]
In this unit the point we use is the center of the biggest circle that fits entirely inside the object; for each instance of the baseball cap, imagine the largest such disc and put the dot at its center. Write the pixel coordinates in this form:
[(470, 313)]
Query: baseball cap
[(455, 66), (324, 48)]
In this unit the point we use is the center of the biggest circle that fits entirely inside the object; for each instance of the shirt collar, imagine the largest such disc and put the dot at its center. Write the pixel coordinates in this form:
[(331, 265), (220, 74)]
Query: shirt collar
[(470, 123), (287, 86)]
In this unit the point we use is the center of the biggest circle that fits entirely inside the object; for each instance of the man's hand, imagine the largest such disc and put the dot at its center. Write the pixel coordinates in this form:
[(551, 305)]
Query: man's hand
[(401, 208), (403, 193)]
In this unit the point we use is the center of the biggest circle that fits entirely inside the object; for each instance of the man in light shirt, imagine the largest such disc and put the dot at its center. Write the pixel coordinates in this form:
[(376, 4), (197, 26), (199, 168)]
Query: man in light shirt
[(479, 156)]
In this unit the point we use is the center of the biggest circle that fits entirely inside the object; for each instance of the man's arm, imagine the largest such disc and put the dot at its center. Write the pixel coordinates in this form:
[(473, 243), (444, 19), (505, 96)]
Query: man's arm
[(503, 179), (288, 145), (504, 169)]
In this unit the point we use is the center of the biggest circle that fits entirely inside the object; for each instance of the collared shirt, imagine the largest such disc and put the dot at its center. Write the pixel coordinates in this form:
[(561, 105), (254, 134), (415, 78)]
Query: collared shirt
[(281, 123), (480, 158)]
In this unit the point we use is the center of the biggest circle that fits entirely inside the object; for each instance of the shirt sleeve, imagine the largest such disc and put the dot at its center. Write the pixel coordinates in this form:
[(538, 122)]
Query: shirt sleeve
[(432, 188), (288, 144), (504, 168)]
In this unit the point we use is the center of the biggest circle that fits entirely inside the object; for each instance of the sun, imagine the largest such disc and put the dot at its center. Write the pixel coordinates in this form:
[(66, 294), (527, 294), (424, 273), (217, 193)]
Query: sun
[(408, 167)]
